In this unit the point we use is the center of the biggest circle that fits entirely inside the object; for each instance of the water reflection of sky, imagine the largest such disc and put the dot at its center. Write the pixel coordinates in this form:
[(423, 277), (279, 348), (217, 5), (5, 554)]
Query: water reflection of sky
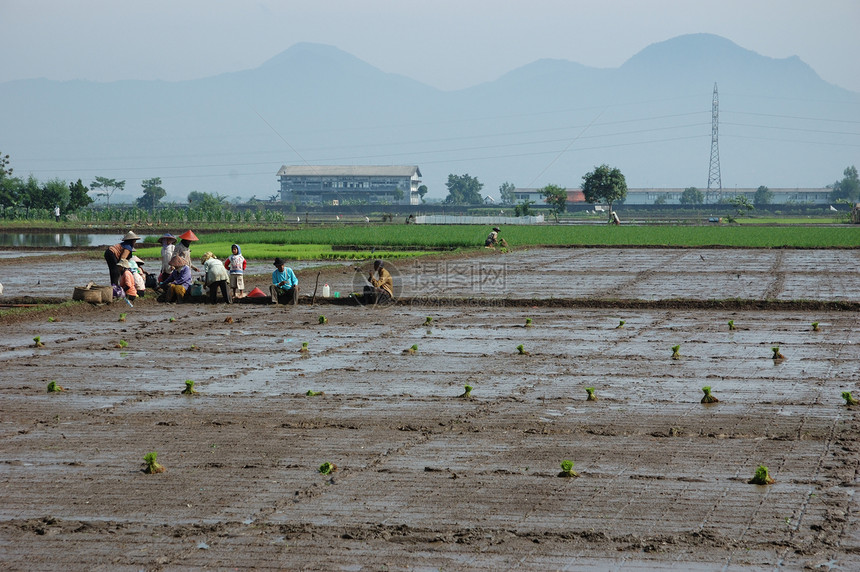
[(48, 240)]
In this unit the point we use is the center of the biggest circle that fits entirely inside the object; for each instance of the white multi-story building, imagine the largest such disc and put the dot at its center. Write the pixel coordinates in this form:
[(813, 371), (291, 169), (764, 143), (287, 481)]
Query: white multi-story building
[(345, 184)]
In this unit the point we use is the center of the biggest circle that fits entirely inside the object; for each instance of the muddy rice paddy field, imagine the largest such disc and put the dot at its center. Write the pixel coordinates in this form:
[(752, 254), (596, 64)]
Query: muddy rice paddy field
[(429, 480)]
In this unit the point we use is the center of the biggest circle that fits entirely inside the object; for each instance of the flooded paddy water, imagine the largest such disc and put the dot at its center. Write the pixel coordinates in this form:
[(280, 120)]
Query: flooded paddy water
[(426, 479)]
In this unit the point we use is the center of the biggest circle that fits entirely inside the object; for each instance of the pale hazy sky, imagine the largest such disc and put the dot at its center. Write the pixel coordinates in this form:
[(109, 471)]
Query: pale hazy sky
[(449, 44)]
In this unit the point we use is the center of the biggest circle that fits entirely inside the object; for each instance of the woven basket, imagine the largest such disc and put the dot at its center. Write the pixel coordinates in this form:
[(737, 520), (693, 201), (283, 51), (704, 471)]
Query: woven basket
[(93, 294)]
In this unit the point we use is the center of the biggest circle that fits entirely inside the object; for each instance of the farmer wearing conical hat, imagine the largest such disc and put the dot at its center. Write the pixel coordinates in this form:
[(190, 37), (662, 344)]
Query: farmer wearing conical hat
[(493, 238), (177, 283), (183, 249), (117, 252)]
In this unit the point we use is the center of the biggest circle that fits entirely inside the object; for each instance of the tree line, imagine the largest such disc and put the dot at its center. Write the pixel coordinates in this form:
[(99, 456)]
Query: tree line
[(606, 184), (30, 199)]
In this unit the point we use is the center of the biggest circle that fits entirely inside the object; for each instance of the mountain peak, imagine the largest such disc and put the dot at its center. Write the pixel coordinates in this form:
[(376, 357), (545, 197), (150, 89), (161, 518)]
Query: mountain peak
[(690, 49), (312, 53)]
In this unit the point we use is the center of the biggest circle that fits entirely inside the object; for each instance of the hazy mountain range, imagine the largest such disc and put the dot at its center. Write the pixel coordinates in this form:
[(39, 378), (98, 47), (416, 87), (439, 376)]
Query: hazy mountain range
[(548, 122)]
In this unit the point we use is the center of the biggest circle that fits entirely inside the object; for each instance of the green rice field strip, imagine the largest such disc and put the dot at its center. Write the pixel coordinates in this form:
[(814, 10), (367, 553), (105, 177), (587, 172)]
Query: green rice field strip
[(264, 244)]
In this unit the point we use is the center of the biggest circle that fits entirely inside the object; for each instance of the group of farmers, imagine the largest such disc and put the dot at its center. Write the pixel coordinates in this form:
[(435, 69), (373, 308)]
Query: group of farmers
[(175, 280)]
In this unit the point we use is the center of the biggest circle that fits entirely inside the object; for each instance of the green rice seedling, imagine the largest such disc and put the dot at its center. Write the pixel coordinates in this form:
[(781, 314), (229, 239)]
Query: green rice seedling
[(52, 319), (304, 349), (38, 342), (468, 393), (171, 319), (776, 353), (312, 393), (122, 344), (189, 387), (323, 319), (620, 324), (428, 320), (590, 392), (708, 398), (327, 468), (567, 469), (528, 322), (411, 350), (676, 352), (846, 395), (152, 466), (761, 477), (54, 387), (521, 350), (122, 317), (815, 327), (732, 325)]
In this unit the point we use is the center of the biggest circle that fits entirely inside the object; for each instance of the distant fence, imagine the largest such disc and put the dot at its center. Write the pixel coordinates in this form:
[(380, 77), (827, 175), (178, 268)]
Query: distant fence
[(484, 220)]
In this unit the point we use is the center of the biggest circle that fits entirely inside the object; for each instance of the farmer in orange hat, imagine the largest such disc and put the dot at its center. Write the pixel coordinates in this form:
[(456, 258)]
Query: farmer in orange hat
[(183, 249)]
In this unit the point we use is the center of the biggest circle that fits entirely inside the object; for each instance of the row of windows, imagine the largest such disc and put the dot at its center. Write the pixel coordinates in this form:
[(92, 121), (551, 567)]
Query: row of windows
[(362, 181)]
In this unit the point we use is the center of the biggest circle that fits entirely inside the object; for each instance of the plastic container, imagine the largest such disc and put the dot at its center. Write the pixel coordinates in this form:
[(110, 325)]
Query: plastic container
[(326, 291)]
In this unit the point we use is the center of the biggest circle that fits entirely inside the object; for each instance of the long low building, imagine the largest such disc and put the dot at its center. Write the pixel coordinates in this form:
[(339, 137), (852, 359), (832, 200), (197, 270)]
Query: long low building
[(781, 196), (350, 184)]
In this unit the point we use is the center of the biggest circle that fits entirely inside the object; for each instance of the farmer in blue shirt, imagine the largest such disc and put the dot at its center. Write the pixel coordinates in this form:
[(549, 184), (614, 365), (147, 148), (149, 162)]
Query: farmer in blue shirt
[(285, 285)]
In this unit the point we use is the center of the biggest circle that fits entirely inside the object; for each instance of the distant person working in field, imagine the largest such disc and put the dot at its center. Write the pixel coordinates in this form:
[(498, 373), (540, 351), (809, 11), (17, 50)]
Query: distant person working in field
[(493, 239), (381, 287), (57, 212), (285, 285), (613, 219)]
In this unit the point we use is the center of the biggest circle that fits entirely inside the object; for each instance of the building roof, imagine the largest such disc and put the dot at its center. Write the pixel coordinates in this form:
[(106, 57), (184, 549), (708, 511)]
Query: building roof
[(349, 171)]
